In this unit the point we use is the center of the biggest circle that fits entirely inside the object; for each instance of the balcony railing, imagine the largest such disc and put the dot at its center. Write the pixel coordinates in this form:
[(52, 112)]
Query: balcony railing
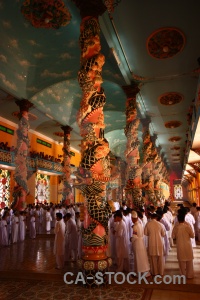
[(34, 164)]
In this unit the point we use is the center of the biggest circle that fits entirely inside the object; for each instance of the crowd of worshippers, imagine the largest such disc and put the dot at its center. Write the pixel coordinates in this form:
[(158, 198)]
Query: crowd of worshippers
[(15, 226), (145, 237), (138, 240)]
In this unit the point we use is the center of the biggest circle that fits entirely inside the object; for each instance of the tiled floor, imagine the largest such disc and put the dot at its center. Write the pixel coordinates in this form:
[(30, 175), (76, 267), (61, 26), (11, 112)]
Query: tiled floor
[(27, 271)]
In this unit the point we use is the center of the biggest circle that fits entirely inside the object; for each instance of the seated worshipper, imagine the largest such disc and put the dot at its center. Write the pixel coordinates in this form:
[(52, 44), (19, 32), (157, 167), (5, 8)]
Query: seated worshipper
[(122, 250), (59, 242), (141, 263), (71, 238), (183, 233), (155, 232)]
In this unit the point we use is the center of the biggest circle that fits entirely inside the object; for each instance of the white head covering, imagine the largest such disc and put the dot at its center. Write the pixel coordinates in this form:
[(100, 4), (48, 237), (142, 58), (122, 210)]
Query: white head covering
[(134, 214)]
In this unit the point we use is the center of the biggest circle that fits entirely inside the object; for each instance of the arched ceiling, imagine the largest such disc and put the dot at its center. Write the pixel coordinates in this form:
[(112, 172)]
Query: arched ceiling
[(41, 65)]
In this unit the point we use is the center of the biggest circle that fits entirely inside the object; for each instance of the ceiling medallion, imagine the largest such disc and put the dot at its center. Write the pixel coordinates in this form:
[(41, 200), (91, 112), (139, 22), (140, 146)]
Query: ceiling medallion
[(175, 139), (172, 124), (59, 133), (31, 117), (175, 148), (165, 42), (170, 98), (46, 13)]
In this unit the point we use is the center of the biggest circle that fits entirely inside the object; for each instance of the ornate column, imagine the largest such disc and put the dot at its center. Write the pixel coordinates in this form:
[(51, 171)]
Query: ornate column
[(134, 183), (94, 170), (67, 195), (148, 178), (22, 149)]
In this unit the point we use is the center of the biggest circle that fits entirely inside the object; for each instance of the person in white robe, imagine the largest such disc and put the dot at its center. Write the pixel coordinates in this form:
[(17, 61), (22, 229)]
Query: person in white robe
[(168, 216), (193, 209), (197, 223), (15, 227), (112, 240), (4, 234), (141, 262), (21, 227), (183, 233), (32, 230), (122, 250), (79, 225), (190, 219), (166, 226), (71, 235), (48, 219), (155, 232), (59, 242)]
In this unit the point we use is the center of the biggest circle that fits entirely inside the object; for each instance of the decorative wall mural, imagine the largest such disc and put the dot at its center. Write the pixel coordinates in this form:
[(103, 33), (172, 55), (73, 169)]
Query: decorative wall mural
[(165, 43), (4, 187), (42, 192), (178, 191)]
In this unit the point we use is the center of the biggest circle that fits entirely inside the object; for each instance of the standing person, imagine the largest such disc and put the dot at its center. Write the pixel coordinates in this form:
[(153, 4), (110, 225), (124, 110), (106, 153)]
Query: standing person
[(80, 240), (122, 250), (155, 232), (15, 227), (197, 223), (183, 233), (21, 227), (141, 263), (4, 233), (59, 242), (32, 231), (48, 219), (71, 238), (190, 219)]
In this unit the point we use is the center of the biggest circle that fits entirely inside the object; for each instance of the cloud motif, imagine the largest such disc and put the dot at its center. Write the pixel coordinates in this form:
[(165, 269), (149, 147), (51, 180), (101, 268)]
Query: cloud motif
[(14, 43), (39, 55), (110, 105), (24, 63), (72, 44), (119, 121), (41, 103), (32, 89), (7, 83), (47, 73), (33, 43), (60, 108), (3, 58), (6, 24), (65, 56), (20, 77), (108, 125)]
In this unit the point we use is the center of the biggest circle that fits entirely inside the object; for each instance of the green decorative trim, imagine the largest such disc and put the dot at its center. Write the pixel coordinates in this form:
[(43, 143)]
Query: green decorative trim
[(6, 129), (39, 141)]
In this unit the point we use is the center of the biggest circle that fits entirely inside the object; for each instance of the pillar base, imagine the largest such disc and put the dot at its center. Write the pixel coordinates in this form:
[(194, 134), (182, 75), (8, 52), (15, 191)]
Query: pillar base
[(90, 268)]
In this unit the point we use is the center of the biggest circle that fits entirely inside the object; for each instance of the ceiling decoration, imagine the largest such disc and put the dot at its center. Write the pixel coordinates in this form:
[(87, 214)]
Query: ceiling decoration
[(46, 13), (170, 98), (172, 124), (31, 117), (165, 43), (175, 139), (175, 148)]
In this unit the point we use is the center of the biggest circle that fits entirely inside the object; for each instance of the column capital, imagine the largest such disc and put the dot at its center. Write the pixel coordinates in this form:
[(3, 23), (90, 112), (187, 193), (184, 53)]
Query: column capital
[(145, 122), (93, 8), (131, 90), (24, 104), (66, 128)]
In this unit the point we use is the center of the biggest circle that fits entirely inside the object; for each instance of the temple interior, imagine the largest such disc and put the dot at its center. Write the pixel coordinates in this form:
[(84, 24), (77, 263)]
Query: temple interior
[(99, 108)]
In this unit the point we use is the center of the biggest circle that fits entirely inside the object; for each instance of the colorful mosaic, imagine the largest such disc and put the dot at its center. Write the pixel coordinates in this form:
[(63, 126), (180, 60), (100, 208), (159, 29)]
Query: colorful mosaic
[(42, 192), (4, 187)]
